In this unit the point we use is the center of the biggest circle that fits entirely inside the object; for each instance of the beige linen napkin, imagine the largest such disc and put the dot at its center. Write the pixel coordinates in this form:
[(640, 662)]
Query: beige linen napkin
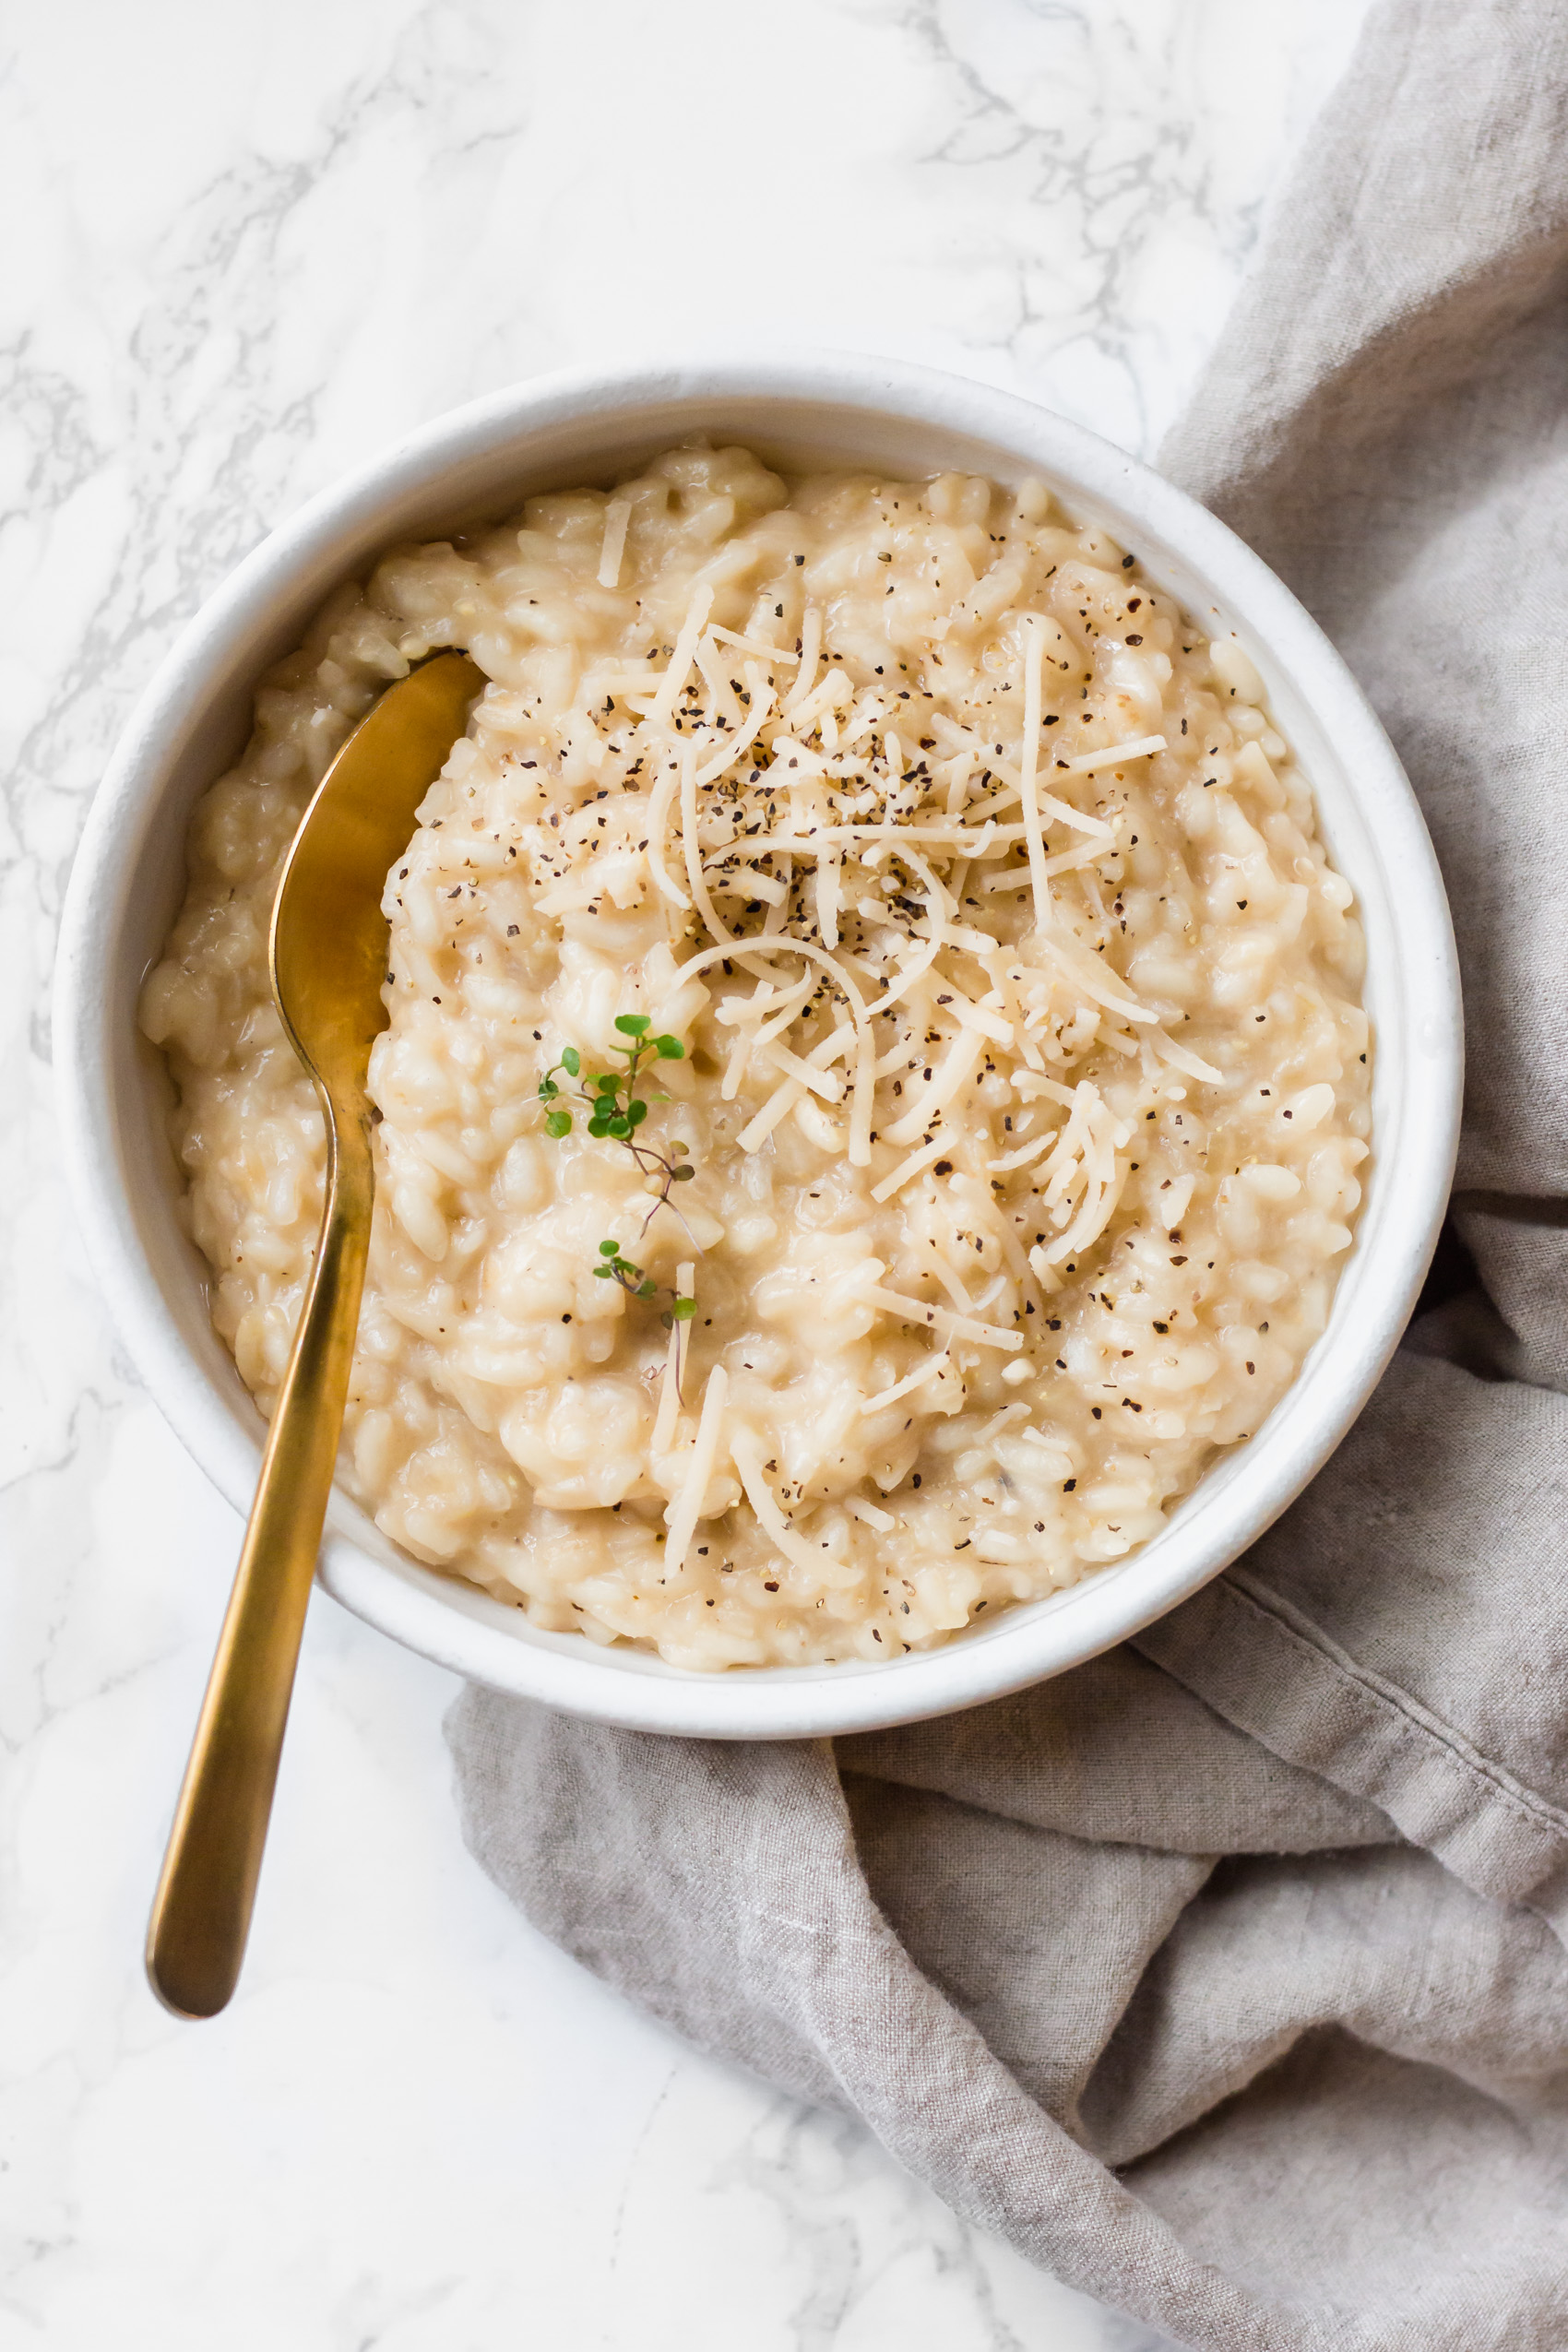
[(1226, 1976)]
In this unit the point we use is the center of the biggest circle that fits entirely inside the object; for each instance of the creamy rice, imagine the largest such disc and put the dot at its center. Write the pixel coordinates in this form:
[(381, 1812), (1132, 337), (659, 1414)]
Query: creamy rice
[(1018, 1191)]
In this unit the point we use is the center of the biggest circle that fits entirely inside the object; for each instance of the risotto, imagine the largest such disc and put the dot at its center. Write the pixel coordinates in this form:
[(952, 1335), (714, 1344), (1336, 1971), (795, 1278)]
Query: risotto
[(875, 1077)]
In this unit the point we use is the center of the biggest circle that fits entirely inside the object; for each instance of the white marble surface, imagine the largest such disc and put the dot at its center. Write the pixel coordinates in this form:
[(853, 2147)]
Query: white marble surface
[(247, 245)]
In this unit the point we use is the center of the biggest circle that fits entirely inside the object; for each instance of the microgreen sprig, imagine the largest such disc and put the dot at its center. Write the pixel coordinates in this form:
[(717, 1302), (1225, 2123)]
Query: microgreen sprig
[(616, 1111), (637, 1284)]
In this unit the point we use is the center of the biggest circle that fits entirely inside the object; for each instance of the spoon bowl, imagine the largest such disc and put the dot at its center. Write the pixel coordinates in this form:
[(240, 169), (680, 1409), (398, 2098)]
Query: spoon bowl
[(327, 951)]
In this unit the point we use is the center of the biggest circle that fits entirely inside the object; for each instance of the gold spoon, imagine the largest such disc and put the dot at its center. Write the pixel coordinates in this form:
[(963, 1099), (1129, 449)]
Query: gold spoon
[(328, 960)]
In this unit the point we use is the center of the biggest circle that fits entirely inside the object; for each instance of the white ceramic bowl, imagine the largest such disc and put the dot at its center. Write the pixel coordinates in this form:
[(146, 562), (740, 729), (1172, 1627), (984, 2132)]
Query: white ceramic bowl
[(479, 463)]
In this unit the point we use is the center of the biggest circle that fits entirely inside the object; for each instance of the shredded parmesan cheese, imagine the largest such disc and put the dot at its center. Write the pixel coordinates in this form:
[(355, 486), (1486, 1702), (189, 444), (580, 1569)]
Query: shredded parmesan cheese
[(1180, 1058), (758, 645), (1034, 653), (910, 1167), (662, 709), (957, 1067), (811, 652), (685, 1506), (957, 1326), (777, 1107), (747, 1457), (1087, 762), (935, 1363), (696, 881), (617, 515), (661, 802)]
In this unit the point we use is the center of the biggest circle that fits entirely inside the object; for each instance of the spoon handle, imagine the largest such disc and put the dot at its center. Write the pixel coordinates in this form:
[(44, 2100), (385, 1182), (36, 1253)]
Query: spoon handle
[(201, 1912)]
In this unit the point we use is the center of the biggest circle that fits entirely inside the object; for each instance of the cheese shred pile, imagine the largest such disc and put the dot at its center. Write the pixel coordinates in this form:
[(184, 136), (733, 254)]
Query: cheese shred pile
[(846, 849)]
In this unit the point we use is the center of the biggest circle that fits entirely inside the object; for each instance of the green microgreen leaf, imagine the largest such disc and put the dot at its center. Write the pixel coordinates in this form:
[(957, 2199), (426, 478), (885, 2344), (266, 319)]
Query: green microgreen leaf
[(615, 1110), (683, 1310)]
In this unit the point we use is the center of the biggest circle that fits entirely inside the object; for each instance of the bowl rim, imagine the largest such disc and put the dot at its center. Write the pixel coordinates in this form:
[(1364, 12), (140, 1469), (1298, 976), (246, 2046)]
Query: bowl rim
[(457, 1626)]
